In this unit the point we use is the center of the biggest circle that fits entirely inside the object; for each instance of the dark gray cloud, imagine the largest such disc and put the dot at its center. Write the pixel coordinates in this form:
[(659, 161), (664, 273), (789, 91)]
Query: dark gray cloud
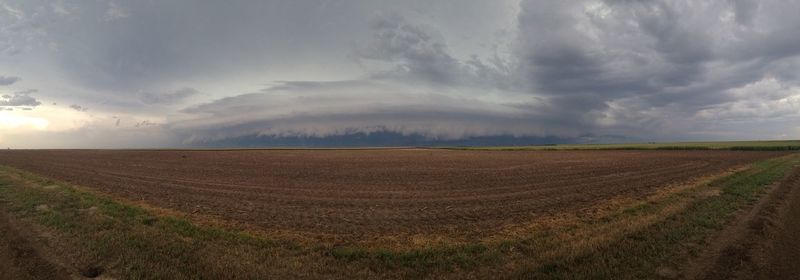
[(613, 67), (420, 53), (662, 60), (6, 80), (19, 99), (131, 45), (110, 51), (745, 11), (418, 50)]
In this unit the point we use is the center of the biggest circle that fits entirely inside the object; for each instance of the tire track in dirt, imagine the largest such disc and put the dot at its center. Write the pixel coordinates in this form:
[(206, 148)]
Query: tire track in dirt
[(762, 243)]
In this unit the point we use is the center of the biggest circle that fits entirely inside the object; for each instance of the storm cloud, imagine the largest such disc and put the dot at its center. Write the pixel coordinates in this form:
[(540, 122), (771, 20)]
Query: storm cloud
[(651, 70)]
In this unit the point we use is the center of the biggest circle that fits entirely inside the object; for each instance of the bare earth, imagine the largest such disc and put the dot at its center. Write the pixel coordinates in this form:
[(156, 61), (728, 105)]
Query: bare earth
[(354, 194)]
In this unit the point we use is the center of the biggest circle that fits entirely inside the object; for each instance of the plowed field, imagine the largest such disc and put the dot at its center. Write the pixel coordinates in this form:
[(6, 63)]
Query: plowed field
[(355, 194)]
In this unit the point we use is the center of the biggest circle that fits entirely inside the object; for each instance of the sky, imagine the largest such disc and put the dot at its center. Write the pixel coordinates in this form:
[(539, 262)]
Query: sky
[(148, 74)]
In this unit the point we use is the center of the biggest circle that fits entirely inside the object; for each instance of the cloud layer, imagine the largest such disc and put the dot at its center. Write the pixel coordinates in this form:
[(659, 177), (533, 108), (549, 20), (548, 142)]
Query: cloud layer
[(652, 70)]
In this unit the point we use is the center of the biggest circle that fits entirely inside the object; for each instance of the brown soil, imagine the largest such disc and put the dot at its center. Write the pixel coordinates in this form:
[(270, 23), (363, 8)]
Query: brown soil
[(763, 242), (355, 195)]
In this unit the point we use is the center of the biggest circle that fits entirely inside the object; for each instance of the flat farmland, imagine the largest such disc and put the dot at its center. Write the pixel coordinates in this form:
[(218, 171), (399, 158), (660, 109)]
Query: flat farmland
[(371, 196)]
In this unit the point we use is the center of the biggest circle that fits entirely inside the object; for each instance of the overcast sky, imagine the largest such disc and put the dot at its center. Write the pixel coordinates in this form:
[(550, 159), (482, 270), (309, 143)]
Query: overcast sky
[(151, 73)]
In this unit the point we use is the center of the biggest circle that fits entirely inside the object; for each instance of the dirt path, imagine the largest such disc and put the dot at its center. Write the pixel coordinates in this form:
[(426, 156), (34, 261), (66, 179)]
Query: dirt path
[(761, 244), (19, 258)]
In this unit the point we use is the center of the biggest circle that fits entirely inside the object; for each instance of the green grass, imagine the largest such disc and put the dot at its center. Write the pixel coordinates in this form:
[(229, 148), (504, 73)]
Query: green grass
[(787, 145), (130, 242)]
